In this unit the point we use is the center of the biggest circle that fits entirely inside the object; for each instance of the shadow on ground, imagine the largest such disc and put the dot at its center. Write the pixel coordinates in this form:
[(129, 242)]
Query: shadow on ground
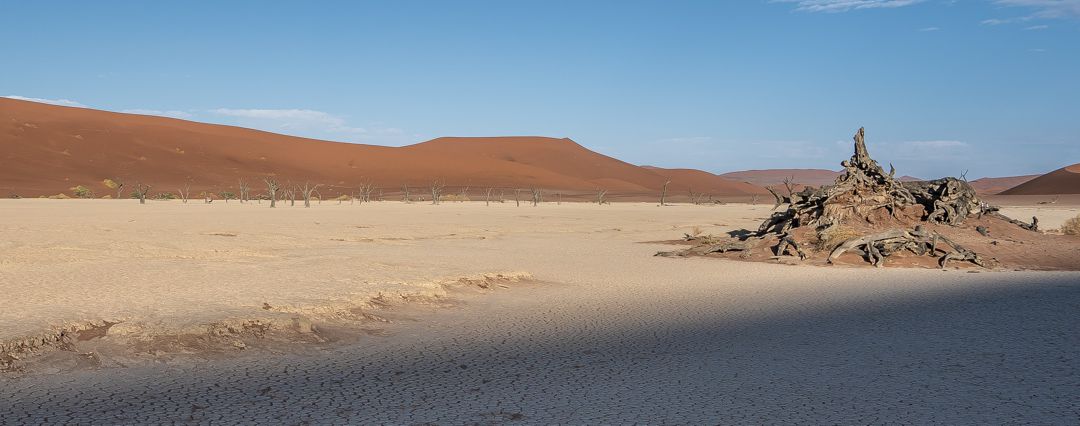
[(1007, 352)]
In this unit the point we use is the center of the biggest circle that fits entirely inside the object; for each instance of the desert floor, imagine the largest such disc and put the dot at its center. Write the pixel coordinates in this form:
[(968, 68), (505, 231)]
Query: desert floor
[(578, 322)]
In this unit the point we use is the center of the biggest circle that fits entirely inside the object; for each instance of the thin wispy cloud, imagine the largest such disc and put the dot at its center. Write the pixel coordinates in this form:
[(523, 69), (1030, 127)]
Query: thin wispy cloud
[(1038, 9), (293, 120), (1046, 9), (170, 114), (929, 29), (833, 6), (61, 102), (313, 124)]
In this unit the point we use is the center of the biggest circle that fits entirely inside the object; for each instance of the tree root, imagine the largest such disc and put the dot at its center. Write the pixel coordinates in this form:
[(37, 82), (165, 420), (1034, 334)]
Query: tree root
[(876, 247)]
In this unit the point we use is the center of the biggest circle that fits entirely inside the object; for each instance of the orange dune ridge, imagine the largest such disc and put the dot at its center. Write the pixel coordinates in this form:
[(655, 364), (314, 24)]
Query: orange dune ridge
[(1065, 180), (49, 149)]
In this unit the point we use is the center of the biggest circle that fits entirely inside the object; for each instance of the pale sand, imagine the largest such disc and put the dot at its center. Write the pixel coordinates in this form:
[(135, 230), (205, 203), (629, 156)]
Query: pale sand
[(608, 334)]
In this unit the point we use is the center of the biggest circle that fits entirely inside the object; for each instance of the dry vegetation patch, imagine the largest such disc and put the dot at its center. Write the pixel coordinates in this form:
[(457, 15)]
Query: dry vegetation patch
[(1071, 226)]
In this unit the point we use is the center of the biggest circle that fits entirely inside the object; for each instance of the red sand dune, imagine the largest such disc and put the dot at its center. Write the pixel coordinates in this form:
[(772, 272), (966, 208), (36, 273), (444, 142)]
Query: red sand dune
[(48, 149), (1065, 180), (995, 185)]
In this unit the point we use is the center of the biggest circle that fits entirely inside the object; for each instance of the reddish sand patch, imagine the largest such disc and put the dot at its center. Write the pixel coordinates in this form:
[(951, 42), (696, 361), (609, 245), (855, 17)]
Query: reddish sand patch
[(1007, 246)]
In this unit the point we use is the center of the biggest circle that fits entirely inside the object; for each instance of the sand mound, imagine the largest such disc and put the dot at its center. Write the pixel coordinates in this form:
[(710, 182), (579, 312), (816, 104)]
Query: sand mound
[(1065, 180), (49, 149)]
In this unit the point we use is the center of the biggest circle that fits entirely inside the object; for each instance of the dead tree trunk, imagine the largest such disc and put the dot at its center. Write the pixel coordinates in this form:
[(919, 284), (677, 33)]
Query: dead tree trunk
[(119, 186), (436, 191), (141, 191), (663, 193), (487, 196), (405, 188), (272, 187), (306, 192), (184, 192), (244, 191), (290, 193), (600, 193), (537, 196)]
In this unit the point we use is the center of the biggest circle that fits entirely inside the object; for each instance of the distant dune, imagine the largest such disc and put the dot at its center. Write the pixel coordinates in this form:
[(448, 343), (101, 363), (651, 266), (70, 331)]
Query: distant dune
[(773, 177), (684, 181), (48, 149), (1065, 180), (802, 177), (995, 185)]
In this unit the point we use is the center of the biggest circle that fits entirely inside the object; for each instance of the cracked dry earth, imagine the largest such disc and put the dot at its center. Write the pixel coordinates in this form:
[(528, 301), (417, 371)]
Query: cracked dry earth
[(608, 334)]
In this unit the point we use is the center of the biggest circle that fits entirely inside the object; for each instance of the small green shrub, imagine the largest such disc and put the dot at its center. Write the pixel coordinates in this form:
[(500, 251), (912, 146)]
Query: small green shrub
[(81, 191), (165, 196)]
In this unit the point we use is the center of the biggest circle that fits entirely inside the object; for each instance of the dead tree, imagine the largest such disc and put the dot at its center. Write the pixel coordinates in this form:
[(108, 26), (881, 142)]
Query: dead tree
[(663, 193), (365, 191), (517, 197), (537, 196), (184, 192), (307, 190), (867, 195), (272, 188), (696, 198), (463, 196), (405, 189), (289, 192), (208, 197), (245, 191), (436, 191), (369, 192), (600, 193), (141, 191), (116, 184), (487, 196)]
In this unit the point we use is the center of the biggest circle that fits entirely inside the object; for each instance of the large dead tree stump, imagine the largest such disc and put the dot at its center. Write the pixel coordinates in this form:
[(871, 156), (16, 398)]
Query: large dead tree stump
[(868, 195)]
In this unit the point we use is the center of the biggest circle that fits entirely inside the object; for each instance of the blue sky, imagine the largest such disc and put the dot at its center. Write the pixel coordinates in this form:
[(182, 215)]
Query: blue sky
[(942, 86)]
